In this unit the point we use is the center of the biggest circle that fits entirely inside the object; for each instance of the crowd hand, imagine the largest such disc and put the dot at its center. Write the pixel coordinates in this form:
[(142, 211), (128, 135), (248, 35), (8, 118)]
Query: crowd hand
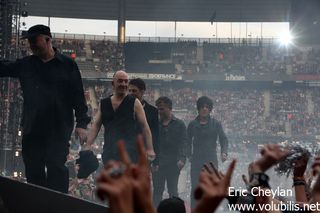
[(117, 188), (141, 181), (245, 180), (212, 188), (301, 166), (180, 164), (139, 176), (316, 166), (211, 168), (271, 154), (81, 133), (308, 177), (316, 173), (223, 157), (262, 198)]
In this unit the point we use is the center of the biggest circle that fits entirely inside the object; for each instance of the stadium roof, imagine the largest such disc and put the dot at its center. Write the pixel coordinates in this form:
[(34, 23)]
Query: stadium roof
[(166, 10)]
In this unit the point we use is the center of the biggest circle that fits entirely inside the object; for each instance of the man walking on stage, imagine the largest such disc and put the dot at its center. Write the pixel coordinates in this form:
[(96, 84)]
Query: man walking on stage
[(172, 156), (52, 91), (137, 88), (120, 115), (203, 132)]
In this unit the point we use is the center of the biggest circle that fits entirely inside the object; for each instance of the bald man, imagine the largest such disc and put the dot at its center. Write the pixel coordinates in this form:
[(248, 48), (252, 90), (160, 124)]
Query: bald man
[(120, 114)]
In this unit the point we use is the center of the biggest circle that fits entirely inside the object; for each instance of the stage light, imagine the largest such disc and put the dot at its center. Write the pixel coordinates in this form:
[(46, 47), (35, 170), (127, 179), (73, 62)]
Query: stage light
[(285, 38)]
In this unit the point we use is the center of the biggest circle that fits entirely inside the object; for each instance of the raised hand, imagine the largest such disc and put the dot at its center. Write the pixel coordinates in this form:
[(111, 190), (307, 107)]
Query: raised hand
[(316, 174), (127, 186), (271, 154), (212, 188), (141, 180), (301, 166), (116, 186)]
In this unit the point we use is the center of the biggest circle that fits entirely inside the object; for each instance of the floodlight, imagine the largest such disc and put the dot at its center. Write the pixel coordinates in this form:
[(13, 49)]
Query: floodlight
[(285, 38)]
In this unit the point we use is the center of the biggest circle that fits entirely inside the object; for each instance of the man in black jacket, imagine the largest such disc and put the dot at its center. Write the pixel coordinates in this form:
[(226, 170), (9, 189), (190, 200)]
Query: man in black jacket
[(52, 91), (203, 132), (172, 156), (137, 88)]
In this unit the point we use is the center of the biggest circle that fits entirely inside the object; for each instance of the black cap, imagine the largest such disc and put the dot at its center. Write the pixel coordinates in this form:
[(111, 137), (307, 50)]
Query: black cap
[(36, 30)]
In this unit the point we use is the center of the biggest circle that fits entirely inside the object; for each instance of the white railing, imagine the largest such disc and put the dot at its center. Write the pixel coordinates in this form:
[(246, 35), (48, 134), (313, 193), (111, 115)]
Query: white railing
[(200, 41)]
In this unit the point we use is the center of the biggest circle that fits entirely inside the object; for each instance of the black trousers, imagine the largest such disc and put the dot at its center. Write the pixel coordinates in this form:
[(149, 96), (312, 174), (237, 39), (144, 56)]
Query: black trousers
[(196, 168), (44, 156), (108, 155), (168, 172)]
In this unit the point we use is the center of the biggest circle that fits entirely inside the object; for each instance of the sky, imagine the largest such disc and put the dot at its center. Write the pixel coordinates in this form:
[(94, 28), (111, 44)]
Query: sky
[(161, 29)]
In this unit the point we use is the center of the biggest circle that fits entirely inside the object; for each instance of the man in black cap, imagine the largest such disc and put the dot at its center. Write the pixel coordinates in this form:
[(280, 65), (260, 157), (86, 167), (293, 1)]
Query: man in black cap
[(203, 132), (52, 91)]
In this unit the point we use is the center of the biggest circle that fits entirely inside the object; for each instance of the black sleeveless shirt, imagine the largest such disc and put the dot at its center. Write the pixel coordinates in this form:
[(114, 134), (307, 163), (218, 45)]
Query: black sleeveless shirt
[(120, 124)]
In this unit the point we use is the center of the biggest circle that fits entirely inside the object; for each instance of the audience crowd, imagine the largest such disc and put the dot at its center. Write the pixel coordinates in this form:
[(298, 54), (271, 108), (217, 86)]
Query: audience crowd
[(244, 112), (190, 57)]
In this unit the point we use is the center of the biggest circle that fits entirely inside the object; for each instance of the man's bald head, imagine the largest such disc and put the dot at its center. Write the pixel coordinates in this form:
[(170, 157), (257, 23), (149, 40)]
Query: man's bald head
[(121, 74), (120, 83)]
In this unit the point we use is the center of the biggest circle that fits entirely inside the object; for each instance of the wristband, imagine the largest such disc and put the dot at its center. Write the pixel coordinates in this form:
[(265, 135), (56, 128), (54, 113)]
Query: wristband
[(299, 183)]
